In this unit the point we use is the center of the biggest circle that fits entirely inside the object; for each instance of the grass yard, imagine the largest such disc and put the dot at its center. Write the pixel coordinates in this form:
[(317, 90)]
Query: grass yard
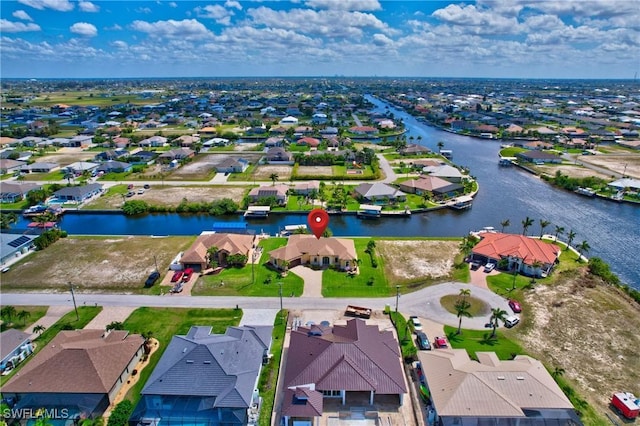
[(67, 322), (480, 341), (164, 323), (238, 282), (35, 313), (477, 307), (370, 282), (269, 376)]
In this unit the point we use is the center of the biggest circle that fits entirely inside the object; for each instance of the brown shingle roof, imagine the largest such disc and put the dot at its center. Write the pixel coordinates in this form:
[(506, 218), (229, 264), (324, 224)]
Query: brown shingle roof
[(231, 243), (300, 244), (78, 361)]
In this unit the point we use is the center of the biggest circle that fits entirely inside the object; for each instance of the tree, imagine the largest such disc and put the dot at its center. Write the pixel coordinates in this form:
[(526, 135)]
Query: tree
[(8, 312), (212, 256), (114, 325), (23, 315), (274, 177), (570, 236), (8, 219), (497, 314), (559, 231), (557, 372), (146, 335), (505, 224), (440, 145), (583, 247), (120, 415), (526, 223), (543, 225), (466, 245), (464, 293), (39, 329), (462, 310)]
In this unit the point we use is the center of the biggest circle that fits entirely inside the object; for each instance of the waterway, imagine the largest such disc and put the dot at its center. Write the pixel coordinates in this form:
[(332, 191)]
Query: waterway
[(611, 229)]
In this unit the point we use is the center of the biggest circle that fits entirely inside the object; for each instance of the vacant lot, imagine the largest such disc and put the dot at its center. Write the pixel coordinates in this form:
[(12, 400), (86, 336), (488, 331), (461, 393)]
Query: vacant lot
[(315, 171), (407, 260), (627, 163), (66, 156), (95, 264), (572, 171), (589, 330), (264, 172)]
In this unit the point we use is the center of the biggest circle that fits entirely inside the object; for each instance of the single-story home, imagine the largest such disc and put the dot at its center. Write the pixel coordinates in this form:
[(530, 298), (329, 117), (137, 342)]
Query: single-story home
[(216, 142), (363, 130), (325, 362), (206, 379), (304, 249), (278, 154), (491, 391), (8, 165), (78, 194), (289, 121), (153, 141), (280, 192), (15, 347), (197, 256), (305, 188), (445, 172), (187, 140), (13, 244), (232, 165), (176, 154), (414, 149), (112, 166), (625, 183), (39, 167), (80, 167), (103, 360), (379, 192), (110, 154), (538, 157), (309, 141), (432, 184), (530, 256), (10, 192)]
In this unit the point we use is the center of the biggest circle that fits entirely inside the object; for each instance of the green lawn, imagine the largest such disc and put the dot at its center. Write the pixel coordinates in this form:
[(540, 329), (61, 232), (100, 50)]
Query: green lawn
[(35, 313), (238, 281), (477, 307), (164, 323), (269, 375), (67, 322), (370, 282), (511, 152), (479, 341)]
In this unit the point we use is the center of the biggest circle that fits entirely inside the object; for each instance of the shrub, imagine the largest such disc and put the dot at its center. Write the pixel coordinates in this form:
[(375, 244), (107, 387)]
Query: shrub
[(120, 414)]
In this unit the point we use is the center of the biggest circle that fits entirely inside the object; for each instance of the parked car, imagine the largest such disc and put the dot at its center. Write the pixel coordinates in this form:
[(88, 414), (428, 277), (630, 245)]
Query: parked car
[(146, 186), (489, 267), (151, 280), (186, 276), (423, 341), (511, 321), (177, 275), (414, 323), (177, 288), (130, 186), (440, 342), (474, 265), (140, 191), (515, 306), (130, 194)]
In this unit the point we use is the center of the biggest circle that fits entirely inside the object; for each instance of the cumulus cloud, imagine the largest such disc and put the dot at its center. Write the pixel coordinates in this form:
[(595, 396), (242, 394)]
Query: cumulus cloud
[(84, 29), (349, 5), (173, 4), (381, 40), (233, 4), (187, 28), (21, 14), (119, 44), (87, 6), (114, 27), (215, 12), (59, 5), (7, 26), (483, 21)]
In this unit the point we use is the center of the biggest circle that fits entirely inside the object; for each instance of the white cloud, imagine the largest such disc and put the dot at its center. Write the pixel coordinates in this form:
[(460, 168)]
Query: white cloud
[(7, 26), (187, 28), (215, 12), (173, 4), (382, 40), (21, 14), (233, 3), (114, 27), (87, 6), (349, 5), (484, 22), (144, 10), (84, 29), (59, 5), (119, 44)]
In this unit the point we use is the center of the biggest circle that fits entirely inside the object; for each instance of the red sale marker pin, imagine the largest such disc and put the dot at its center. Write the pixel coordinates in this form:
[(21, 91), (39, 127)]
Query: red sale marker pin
[(318, 221)]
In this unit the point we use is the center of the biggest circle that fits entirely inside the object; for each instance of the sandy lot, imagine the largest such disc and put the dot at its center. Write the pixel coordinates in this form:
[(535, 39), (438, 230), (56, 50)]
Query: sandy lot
[(263, 172), (571, 171), (66, 156), (407, 260), (315, 171), (589, 330), (616, 162)]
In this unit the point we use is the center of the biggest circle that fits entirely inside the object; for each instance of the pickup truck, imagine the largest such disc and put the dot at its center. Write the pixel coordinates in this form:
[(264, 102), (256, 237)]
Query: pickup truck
[(357, 311)]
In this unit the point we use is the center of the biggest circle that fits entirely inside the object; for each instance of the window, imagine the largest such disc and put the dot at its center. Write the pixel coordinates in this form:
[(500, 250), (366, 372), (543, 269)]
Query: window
[(326, 260), (331, 393)]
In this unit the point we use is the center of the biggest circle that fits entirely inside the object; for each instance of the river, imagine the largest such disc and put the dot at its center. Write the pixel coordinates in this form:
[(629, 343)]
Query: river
[(611, 229)]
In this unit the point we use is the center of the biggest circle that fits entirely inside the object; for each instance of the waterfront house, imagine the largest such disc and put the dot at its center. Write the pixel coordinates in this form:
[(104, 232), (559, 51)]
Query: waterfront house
[(78, 194), (414, 149), (339, 363), (364, 130), (198, 258), (12, 245), (10, 192), (538, 157), (379, 192), (278, 192), (15, 347), (445, 172), (491, 391), (432, 184), (207, 379), (50, 380), (309, 250)]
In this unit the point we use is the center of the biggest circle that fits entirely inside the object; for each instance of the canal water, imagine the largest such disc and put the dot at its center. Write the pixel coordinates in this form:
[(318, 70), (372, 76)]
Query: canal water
[(611, 229)]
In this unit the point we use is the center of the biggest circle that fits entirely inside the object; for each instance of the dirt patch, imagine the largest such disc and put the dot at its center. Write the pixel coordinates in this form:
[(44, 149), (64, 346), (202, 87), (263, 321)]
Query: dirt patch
[(591, 332), (407, 260), (571, 171), (264, 172), (315, 171), (95, 264), (64, 158), (627, 163)]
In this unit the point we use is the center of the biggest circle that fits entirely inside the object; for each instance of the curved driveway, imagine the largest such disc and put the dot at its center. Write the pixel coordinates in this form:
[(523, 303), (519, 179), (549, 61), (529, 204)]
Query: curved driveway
[(424, 303)]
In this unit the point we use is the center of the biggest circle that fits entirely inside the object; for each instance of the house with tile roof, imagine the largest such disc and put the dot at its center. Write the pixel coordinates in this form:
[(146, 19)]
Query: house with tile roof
[(325, 362), (79, 370), (432, 184), (227, 244), (205, 378), (378, 191), (491, 391), (529, 256), (304, 249), (279, 192)]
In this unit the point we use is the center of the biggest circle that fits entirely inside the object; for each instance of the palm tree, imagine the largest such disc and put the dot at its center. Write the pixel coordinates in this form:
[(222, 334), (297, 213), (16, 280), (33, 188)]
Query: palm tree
[(570, 236), (7, 219), (583, 247), (526, 223), (557, 372), (462, 310), (559, 231), (497, 314), (23, 315), (274, 177), (39, 329), (543, 225), (464, 292), (440, 145), (147, 335), (8, 312), (505, 224)]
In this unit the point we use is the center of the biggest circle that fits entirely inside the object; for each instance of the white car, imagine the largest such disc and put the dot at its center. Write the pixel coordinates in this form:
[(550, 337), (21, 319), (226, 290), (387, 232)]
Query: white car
[(415, 323), (489, 267), (511, 321)]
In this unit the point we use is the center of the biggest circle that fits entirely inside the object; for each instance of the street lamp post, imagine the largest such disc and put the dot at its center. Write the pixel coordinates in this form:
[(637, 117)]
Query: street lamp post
[(280, 292), (397, 296), (73, 297)]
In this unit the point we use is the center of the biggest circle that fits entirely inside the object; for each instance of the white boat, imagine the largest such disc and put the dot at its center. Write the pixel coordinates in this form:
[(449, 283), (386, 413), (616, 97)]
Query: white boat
[(585, 191)]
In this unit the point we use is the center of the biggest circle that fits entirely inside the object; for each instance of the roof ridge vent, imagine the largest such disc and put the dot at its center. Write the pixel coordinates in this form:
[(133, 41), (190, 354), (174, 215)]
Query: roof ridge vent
[(501, 378), (189, 361)]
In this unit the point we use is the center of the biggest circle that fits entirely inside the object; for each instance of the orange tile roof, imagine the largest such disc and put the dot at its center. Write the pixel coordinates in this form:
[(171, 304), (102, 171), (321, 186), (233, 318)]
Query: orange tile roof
[(496, 245)]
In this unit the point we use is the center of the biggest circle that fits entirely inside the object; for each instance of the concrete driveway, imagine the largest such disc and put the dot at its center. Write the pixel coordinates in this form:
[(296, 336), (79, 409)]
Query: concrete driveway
[(312, 280)]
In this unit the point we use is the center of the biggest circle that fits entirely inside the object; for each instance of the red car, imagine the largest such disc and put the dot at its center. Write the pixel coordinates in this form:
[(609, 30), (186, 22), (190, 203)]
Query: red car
[(187, 275), (515, 306), (440, 342), (176, 276)]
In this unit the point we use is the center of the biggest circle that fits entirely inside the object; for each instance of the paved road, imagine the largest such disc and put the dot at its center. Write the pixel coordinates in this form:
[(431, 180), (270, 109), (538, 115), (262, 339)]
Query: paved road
[(424, 303)]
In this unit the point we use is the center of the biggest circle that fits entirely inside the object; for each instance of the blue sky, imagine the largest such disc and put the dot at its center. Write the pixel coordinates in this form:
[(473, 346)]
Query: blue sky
[(421, 38)]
